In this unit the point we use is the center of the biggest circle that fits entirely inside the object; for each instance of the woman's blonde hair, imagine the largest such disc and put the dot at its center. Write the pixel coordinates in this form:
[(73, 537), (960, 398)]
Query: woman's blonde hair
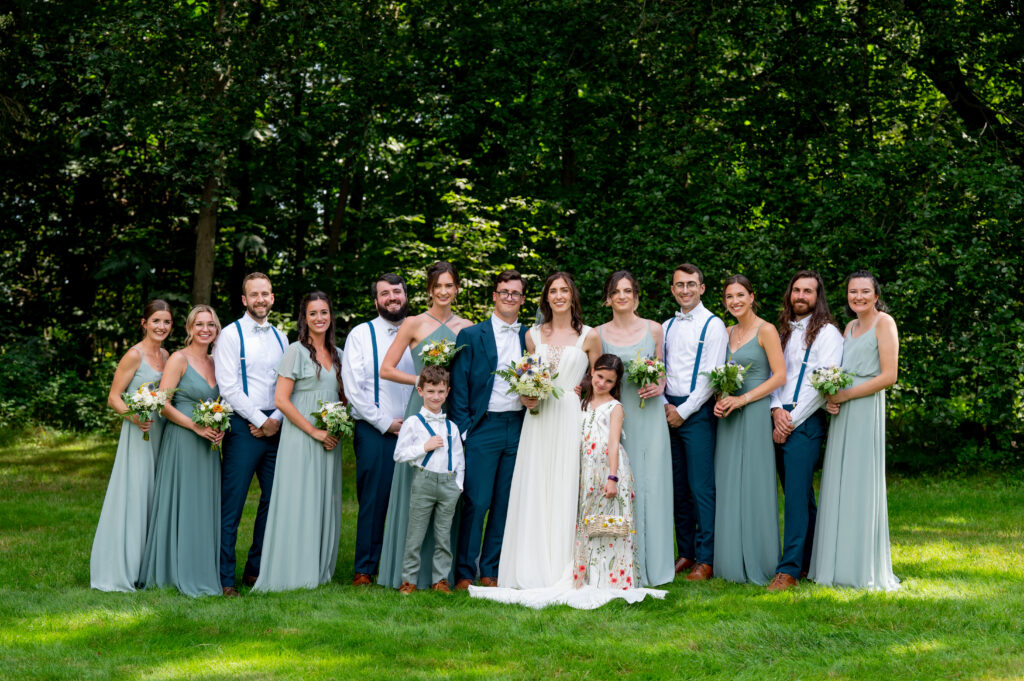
[(190, 322)]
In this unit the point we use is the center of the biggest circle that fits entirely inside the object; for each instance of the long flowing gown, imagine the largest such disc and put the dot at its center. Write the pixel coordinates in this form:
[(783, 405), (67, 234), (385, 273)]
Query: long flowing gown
[(121, 532), (645, 432), (746, 504), (397, 523), (300, 547), (851, 538), (183, 546)]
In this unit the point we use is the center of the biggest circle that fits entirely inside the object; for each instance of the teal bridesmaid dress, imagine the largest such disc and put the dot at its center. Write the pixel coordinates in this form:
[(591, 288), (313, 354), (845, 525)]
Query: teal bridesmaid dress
[(645, 435), (397, 523), (851, 537), (746, 503), (183, 546), (121, 532), (300, 547)]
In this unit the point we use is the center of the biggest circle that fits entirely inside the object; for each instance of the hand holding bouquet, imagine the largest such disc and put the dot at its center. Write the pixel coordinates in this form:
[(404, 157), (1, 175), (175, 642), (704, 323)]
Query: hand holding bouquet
[(439, 353), (726, 379), (830, 380), (214, 414), (530, 376), (145, 403), (645, 371), (335, 418)]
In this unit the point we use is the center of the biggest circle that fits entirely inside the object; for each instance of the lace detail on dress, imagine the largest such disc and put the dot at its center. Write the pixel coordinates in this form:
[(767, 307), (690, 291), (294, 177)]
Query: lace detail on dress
[(554, 356)]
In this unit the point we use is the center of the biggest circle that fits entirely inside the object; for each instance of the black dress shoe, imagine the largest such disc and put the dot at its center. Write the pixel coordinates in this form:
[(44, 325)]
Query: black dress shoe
[(250, 580)]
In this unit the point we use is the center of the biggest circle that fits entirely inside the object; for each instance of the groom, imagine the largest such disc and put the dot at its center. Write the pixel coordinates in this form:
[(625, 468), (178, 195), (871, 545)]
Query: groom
[(490, 420)]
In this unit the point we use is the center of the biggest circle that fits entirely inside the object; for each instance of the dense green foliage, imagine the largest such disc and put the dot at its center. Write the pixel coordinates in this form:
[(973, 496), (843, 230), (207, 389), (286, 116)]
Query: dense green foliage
[(955, 545), (154, 148)]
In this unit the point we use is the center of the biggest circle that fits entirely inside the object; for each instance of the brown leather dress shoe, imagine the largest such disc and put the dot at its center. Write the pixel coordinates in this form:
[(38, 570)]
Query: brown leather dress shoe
[(362, 579), (684, 564), (463, 584), (229, 592), (700, 572), (488, 581), (442, 586), (249, 580), (782, 582), (406, 588)]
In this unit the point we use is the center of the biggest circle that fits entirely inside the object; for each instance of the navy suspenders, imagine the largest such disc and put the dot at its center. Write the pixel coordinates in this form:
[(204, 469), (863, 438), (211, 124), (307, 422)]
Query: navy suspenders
[(432, 434), (241, 354), (376, 366), (700, 349), (799, 381)]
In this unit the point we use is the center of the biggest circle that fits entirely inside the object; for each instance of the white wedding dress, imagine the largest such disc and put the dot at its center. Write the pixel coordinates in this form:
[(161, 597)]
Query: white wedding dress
[(540, 529)]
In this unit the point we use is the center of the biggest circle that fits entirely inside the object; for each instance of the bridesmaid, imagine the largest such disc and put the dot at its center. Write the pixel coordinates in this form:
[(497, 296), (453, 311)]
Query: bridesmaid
[(437, 323), (645, 432), (183, 546), (852, 535), (747, 506), (304, 520), (121, 533)]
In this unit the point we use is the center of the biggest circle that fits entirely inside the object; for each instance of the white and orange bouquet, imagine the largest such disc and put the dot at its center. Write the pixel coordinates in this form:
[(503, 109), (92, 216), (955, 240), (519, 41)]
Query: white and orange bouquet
[(146, 403), (214, 414), (335, 418), (530, 376), (439, 353), (645, 371), (830, 380)]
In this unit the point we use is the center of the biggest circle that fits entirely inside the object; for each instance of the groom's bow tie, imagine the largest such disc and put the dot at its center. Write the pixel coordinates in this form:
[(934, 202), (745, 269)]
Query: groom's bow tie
[(514, 328), (684, 316), (262, 329)]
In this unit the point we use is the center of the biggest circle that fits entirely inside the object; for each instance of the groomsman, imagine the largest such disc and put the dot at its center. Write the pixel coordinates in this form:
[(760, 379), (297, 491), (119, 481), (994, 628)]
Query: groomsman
[(810, 340), (245, 361), (378, 407), (695, 342), (491, 421)]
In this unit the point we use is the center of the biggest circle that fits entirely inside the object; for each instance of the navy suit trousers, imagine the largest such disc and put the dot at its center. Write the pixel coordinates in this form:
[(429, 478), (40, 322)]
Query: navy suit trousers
[(795, 461), (375, 466), (693, 482)]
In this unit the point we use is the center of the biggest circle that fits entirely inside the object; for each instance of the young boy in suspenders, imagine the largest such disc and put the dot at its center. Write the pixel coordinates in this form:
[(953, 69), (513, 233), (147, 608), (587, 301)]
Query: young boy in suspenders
[(433, 445)]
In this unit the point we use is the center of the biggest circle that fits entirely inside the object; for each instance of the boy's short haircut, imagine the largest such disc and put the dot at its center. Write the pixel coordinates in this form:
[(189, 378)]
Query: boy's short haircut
[(434, 375)]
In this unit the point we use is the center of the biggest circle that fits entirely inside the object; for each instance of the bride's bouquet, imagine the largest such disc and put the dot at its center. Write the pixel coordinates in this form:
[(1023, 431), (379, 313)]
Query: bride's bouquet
[(726, 379), (830, 380), (215, 414), (644, 371), (530, 376), (335, 418), (439, 353), (145, 403)]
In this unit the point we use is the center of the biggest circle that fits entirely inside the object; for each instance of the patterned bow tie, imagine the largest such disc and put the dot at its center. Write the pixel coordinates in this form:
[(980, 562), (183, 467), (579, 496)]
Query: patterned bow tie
[(514, 328), (392, 330), (436, 419), (800, 325), (684, 316), (262, 329)]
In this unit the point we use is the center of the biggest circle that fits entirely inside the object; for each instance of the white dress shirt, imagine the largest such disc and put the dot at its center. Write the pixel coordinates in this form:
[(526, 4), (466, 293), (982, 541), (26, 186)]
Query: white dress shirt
[(681, 352), (509, 350), (413, 436), (826, 351), (357, 375), (262, 355)]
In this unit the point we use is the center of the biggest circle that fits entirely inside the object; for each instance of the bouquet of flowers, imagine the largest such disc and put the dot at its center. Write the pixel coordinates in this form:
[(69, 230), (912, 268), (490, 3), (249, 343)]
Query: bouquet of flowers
[(335, 418), (644, 371), (530, 376), (215, 414), (830, 380), (439, 353), (726, 379), (145, 403)]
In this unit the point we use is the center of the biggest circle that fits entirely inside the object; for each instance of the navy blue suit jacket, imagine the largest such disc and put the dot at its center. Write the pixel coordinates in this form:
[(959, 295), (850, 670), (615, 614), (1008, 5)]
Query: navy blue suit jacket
[(473, 374)]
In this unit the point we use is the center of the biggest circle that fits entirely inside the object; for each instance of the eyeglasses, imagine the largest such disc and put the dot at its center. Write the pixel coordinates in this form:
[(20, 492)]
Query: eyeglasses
[(686, 285), (512, 296)]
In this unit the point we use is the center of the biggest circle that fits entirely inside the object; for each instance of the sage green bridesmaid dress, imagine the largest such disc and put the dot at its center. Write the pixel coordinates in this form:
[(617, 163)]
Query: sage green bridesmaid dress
[(746, 502), (645, 434), (851, 536), (121, 532), (300, 547), (183, 546), (397, 523)]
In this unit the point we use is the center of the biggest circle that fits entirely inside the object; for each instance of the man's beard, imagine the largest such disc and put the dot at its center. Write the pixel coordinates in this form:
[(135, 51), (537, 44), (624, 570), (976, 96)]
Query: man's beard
[(254, 315), (807, 309), (393, 317)]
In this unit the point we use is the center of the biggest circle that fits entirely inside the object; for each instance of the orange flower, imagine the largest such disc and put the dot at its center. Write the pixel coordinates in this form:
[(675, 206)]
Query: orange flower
[(217, 408)]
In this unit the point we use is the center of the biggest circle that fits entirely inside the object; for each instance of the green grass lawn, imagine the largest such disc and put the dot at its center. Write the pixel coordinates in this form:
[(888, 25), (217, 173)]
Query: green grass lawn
[(957, 547)]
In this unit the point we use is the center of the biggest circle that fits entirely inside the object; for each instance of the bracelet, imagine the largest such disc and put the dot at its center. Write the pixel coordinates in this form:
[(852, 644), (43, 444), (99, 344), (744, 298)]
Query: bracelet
[(613, 478)]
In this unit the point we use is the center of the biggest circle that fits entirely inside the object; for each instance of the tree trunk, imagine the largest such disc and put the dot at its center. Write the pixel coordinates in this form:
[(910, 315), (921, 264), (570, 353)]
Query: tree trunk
[(206, 237)]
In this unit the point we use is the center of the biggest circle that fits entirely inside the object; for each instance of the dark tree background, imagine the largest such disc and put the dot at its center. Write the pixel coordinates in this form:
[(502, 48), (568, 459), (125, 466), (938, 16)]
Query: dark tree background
[(167, 148)]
